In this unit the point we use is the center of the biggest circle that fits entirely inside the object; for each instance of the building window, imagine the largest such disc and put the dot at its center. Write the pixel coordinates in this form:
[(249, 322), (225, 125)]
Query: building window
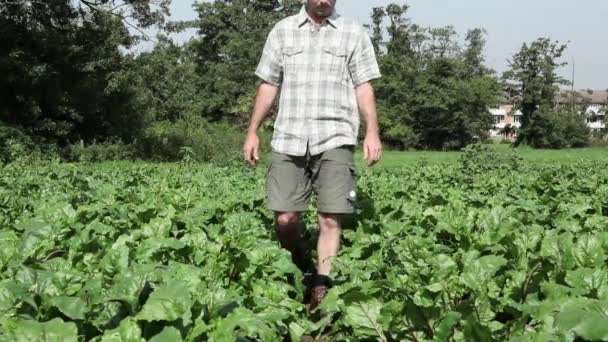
[(499, 119), (517, 119)]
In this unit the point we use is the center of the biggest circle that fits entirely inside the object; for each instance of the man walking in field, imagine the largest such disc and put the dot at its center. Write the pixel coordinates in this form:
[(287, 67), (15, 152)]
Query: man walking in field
[(322, 63)]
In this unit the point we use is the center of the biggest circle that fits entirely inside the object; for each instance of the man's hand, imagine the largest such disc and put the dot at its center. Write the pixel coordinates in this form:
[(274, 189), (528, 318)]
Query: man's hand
[(263, 101), (251, 149), (372, 148)]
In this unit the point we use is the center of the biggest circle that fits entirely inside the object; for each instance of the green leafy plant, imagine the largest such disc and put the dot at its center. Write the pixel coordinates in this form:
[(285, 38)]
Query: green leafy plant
[(470, 251)]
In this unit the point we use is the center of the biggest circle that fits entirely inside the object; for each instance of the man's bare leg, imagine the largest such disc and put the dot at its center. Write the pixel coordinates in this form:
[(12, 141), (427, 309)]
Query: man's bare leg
[(329, 241), (327, 248), (288, 232)]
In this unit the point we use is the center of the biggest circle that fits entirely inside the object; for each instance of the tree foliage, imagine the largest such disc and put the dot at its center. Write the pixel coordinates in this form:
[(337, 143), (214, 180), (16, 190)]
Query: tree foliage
[(532, 83), (435, 94), (63, 67), (231, 38), (70, 78)]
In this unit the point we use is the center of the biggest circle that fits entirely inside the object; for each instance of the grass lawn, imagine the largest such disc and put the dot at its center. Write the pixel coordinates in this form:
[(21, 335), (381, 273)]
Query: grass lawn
[(397, 158)]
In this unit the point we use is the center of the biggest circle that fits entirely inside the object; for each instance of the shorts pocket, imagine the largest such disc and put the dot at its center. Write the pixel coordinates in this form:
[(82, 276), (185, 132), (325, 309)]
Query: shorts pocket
[(335, 186), (354, 176)]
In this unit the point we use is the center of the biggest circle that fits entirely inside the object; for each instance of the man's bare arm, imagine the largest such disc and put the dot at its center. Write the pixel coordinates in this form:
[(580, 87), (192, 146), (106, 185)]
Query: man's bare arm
[(372, 147), (263, 102)]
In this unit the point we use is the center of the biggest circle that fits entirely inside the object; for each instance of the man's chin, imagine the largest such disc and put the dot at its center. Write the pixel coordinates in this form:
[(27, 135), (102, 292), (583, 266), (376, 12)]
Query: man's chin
[(323, 13)]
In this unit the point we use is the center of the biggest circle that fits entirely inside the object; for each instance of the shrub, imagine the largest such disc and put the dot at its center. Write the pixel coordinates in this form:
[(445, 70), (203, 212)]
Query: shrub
[(550, 128), (98, 152), (479, 158), (17, 145), (599, 137), (194, 138)]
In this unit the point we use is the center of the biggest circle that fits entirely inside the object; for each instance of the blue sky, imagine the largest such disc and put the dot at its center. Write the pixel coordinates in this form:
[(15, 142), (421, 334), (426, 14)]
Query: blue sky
[(508, 23)]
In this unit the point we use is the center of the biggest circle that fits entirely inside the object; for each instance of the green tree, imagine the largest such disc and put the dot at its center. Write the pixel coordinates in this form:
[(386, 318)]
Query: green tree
[(473, 54), (378, 15), (435, 94), (532, 83), (400, 30), (63, 67), (176, 123), (398, 65), (442, 42), (231, 37), (482, 89), (170, 82), (558, 128)]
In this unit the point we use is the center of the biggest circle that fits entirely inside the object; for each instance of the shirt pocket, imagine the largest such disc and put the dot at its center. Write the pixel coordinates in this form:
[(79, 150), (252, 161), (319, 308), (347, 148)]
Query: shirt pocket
[(335, 59), (292, 61)]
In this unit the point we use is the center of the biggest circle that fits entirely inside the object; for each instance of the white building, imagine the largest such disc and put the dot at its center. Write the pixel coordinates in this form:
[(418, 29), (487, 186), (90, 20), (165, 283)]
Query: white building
[(594, 102), (596, 117), (505, 116)]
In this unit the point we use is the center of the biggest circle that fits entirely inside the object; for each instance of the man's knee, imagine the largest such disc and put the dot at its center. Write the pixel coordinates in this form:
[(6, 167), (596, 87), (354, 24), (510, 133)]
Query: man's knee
[(329, 222), (287, 219)]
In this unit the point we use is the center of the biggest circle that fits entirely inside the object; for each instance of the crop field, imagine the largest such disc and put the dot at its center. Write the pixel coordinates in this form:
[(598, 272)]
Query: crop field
[(487, 247), (395, 159)]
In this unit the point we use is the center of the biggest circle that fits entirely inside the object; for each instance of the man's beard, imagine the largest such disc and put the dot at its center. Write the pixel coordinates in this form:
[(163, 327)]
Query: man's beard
[(322, 12)]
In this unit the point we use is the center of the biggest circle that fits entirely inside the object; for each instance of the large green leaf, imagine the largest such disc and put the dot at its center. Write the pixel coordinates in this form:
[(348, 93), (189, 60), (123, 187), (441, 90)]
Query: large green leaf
[(116, 260), (590, 325), (72, 307), (149, 247), (479, 271), (363, 318), (168, 302), (240, 323), (128, 331), (446, 326), (11, 293), (475, 332), (169, 334), (10, 253), (588, 251), (37, 238), (586, 279), (52, 331)]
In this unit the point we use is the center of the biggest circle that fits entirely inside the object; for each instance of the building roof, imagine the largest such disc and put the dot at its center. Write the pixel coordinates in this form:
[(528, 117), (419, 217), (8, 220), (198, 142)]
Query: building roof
[(590, 96)]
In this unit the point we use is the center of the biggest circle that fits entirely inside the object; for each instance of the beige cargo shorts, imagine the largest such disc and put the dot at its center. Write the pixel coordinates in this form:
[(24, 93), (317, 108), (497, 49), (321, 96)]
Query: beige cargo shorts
[(290, 180)]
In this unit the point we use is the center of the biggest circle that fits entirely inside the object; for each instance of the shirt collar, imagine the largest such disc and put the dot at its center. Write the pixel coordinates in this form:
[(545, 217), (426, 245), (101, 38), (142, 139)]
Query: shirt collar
[(303, 17)]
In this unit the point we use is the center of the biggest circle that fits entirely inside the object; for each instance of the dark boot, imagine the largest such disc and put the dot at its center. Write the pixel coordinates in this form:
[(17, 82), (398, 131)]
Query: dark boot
[(317, 290)]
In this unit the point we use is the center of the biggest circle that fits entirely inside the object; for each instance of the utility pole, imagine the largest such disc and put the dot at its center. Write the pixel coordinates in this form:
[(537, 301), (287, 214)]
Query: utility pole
[(572, 86)]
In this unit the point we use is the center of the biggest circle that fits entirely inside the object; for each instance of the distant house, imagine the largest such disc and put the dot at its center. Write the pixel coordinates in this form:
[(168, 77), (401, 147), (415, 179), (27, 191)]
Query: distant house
[(593, 102), (506, 121)]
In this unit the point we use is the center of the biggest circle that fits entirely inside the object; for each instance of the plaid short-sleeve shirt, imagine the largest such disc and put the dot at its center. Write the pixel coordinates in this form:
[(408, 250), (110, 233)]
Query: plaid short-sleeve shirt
[(317, 69)]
